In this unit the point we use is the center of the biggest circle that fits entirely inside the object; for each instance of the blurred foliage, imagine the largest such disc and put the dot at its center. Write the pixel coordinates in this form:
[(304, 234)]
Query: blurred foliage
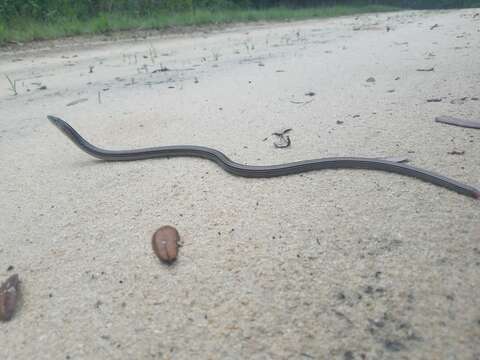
[(46, 10)]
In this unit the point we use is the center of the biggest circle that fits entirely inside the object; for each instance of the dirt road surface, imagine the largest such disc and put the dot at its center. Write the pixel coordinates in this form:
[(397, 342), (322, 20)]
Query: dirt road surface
[(338, 264)]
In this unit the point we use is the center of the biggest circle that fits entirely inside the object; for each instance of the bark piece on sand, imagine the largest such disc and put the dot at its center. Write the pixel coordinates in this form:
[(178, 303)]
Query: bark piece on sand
[(458, 122), (8, 297)]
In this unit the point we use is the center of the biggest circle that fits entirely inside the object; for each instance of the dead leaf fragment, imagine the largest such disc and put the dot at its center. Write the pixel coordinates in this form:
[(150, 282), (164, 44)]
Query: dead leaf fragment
[(8, 297), (284, 142), (283, 139)]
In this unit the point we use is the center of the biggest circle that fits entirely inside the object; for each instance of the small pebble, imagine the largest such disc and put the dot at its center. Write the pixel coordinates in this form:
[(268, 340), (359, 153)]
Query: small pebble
[(165, 243)]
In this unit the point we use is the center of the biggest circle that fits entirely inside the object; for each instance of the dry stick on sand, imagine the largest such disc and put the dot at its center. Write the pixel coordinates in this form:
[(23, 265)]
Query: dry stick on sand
[(425, 70), (13, 85), (77, 102)]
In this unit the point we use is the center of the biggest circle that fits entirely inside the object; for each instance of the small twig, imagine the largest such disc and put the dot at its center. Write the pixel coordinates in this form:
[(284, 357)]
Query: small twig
[(216, 55), (153, 53), (77, 102), (162, 69), (301, 102), (13, 85)]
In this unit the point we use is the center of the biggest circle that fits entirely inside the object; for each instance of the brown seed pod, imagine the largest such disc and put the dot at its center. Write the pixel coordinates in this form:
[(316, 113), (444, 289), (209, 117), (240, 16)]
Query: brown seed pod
[(165, 243), (8, 297)]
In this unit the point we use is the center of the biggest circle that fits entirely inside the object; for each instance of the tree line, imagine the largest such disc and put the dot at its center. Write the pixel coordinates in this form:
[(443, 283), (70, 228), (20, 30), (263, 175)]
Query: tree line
[(53, 9)]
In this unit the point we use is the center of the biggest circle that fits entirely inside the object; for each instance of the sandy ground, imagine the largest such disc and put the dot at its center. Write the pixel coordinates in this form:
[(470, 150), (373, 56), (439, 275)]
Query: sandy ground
[(344, 264)]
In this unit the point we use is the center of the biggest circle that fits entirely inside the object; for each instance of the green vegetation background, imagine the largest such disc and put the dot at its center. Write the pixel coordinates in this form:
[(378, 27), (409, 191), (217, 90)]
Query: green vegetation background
[(23, 20)]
